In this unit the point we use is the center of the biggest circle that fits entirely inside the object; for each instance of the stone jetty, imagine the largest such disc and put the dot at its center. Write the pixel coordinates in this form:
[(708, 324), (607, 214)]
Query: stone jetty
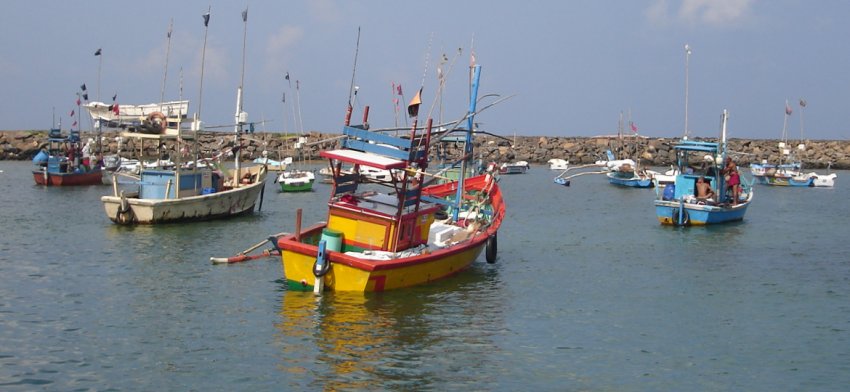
[(818, 154)]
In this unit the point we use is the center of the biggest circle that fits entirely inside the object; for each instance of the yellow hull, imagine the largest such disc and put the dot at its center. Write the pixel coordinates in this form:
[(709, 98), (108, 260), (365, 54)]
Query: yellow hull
[(361, 232), (349, 273)]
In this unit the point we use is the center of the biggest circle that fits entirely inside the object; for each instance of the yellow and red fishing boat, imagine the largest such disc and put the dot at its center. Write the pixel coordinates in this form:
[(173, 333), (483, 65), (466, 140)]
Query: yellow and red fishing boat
[(400, 231)]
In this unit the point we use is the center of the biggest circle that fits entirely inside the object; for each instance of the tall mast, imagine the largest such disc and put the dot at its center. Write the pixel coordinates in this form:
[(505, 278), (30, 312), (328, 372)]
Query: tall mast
[(99, 54), (241, 116), (802, 106), (292, 104), (203, 57), (801, 147), (687, 64), (783, 145), (723, 129), (196, 122), (298, 103), (467, 153), (165, 72), (723, 152), (620, 137)]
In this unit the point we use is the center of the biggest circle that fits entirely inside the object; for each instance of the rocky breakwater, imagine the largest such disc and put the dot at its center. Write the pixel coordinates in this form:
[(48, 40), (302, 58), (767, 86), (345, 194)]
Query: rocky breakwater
[(818, 154), (23, 145)]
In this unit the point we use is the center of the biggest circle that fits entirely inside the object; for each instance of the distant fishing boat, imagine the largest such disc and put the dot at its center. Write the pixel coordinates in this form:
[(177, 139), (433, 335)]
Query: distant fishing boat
[(789, 170), (193, 191), (296, 181), (367, 174), (184, 192), (558, 164), (295, 178), (678, 204), (143, 118), (518, 167), (824, 180), (272, 164), (61, 162), (629, 177), (625, 171)]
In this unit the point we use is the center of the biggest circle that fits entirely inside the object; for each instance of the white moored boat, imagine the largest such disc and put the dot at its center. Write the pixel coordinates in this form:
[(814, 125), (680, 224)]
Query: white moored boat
[(135, 114)]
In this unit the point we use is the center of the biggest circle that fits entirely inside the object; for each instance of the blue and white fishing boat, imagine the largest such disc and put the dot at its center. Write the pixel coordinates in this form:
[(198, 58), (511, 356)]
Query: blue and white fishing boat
[(787, 174), (678, 204), (626, 172), (789, 170), (60, 163)]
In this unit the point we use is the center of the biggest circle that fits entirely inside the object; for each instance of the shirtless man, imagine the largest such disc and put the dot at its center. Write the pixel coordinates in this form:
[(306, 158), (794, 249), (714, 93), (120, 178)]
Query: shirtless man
[(703, 189)]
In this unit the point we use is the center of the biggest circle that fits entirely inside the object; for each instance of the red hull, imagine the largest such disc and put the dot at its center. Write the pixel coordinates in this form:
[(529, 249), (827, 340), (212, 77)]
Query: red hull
[(67, 179)]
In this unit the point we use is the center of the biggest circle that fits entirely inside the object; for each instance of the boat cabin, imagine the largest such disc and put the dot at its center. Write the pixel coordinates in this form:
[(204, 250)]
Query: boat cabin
[(173, 181), (688, 151), (63, 153), (388, 214), (175, 184)]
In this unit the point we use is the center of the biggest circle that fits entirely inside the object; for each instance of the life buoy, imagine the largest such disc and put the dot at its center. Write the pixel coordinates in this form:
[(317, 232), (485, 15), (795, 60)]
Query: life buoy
[(158, 119), (674, 217), (491, 249)]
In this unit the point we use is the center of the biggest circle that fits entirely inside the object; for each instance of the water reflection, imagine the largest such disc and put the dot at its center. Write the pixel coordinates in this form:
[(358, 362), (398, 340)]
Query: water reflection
[(409, 339)]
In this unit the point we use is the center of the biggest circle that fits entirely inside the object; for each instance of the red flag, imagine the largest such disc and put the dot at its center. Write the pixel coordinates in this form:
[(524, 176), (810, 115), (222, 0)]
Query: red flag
[(72, 113), (78, 102), (74, 124), (787, 109), (398, 88), (634, 127), (115, 109)]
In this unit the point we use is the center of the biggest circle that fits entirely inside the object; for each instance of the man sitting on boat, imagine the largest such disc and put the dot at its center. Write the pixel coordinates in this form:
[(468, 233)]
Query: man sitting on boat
[(704, 192)]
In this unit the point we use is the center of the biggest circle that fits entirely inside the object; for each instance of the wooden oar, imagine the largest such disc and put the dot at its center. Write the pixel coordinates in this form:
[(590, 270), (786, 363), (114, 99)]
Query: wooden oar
[(240, 258), (243, 256)]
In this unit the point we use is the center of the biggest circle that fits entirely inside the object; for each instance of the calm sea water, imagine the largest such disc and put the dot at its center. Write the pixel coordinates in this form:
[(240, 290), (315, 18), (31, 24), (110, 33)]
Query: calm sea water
[(589, 293)]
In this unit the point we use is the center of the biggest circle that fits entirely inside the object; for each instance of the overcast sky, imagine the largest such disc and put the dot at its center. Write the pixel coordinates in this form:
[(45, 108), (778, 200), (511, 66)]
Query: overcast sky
[(572, 66)]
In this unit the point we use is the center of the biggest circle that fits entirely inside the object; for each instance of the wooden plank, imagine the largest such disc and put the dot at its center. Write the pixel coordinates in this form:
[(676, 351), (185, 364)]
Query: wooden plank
[(378, 149), (364, 158), (377, 137)]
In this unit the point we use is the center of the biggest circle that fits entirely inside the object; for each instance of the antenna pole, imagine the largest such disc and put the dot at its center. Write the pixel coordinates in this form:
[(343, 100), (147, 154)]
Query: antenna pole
[(165, 73), (351, 88), (687, 64)]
